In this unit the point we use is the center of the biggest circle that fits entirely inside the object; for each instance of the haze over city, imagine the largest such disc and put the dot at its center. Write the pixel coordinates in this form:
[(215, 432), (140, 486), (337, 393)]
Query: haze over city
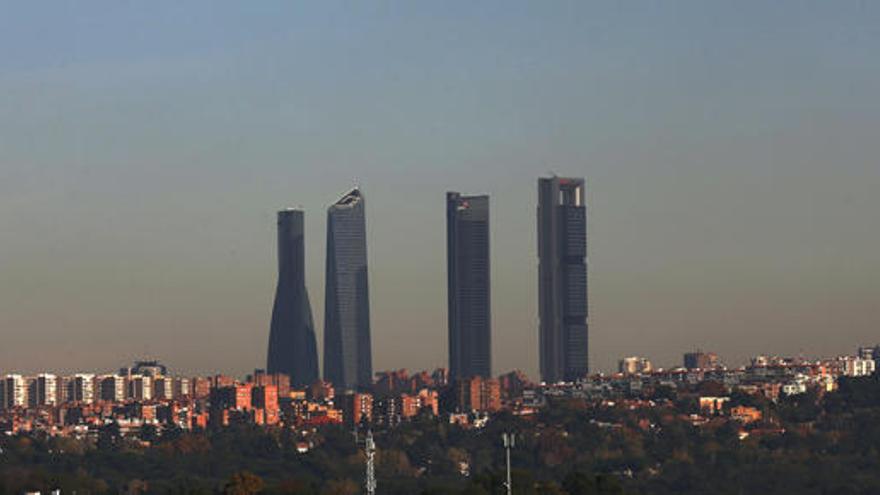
[(730, 155)]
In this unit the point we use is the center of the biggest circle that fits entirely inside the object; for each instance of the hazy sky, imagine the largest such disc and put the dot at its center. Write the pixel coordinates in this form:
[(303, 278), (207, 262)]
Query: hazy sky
[(731, 149)]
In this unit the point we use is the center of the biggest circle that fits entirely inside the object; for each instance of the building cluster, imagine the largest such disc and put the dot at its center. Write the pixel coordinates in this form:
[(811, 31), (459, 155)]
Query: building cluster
[(771, 378), (634, 365), (563, 307), (292, 391), (147, 395)]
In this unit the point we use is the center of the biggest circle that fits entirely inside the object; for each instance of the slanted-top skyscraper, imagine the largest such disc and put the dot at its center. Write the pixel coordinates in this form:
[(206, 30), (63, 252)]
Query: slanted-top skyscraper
[(562, 279), (348, 362), (469, 302), (292, 348)]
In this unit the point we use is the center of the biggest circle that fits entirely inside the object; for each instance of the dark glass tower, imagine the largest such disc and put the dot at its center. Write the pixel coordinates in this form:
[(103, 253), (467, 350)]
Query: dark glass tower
[(348, 362), (469, 302), (562, 279), (292, 348)]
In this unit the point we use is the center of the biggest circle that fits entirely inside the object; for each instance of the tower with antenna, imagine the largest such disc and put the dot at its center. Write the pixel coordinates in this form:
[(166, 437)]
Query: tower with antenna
[(370, 451), (509, 440)]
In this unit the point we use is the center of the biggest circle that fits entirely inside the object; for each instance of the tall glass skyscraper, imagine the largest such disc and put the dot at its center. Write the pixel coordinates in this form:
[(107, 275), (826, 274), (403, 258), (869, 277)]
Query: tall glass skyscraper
[(348, 362), (562, 279), (469, 302), (292, 348)]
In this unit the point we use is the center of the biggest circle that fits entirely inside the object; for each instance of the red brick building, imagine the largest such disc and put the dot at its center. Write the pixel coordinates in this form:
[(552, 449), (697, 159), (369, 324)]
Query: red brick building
[(265, 401), (281, 381), (478, 394), (356, 408)]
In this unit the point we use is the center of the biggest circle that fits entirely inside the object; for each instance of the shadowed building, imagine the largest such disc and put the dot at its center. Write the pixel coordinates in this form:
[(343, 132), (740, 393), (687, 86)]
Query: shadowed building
[(700, 360), (348, 362), (292, 348), (469, 303), (562, 279)]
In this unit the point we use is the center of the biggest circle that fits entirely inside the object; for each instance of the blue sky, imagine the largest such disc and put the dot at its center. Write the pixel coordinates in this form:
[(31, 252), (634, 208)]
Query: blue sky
[(731, 153)]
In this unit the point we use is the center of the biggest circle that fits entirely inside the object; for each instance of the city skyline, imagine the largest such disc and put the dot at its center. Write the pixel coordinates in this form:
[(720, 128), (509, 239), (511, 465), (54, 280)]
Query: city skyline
[(730, 152), (611, 247), (291, 242)]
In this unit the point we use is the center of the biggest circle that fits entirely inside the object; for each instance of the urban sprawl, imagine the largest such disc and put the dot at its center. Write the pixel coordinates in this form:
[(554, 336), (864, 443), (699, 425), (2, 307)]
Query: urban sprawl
[(289, 392), (146, 395)]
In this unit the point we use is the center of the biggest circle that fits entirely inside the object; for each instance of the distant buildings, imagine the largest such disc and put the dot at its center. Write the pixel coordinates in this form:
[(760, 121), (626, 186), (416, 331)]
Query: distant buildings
[(244, 403), (264, 399), (15, 391), (477, 394), (468, 293), (84, 403), (140, 387), (711, 406), (357, 408), (397, 382), (45, 390), (700, 360), (869, 352), (348, 360), (147, 368), (634, 365), (562, 279), (292, 347), (563, 304), (81, 388), (113, 388), (391, 382), (281, 381), (872, 353), (857, 366), (163, 387), (745, 414), (513, 384)]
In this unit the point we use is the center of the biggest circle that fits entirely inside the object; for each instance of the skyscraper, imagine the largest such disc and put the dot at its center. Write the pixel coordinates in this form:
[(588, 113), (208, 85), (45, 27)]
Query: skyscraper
[(348, 362), (469, 302), (562, 279), (292, 348)]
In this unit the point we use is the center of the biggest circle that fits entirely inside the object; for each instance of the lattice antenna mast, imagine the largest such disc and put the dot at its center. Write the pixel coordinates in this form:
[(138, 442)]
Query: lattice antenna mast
[(370, 450), (509, 440)]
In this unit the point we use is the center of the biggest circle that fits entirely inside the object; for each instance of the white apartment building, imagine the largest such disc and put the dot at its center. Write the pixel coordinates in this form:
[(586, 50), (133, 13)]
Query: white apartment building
[(140, 387), (45, 388), (855, 366), (16, 392), (81, 388), (181, 387), (113, 388), (634, 365)]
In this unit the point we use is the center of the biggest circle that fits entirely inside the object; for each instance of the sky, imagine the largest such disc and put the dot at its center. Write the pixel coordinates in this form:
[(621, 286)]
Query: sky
[(731, 152)]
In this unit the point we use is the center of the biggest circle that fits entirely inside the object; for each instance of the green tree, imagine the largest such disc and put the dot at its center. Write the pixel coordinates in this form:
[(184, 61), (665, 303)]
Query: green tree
[(341, 487), (243, 483), (149, 433)]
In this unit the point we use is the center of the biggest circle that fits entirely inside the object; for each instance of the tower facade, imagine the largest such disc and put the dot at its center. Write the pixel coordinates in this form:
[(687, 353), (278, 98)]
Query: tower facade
[(348, 362), (562, 279), (469, 302), (292, 347)]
